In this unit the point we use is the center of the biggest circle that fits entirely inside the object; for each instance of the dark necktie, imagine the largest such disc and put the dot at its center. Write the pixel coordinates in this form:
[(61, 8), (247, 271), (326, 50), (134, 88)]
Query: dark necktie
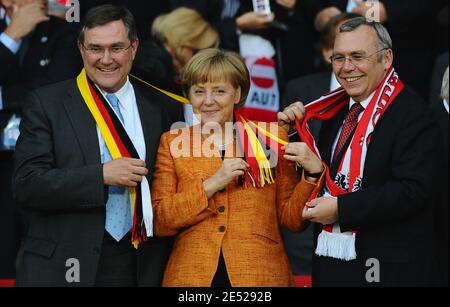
[(350, 123)]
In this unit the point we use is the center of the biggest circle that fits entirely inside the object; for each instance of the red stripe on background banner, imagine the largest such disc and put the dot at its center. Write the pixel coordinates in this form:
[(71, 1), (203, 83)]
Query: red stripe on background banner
[(7, 283)]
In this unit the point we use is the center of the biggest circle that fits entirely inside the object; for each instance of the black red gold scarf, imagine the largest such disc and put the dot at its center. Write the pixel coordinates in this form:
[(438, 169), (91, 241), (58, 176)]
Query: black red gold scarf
[(119, 145)]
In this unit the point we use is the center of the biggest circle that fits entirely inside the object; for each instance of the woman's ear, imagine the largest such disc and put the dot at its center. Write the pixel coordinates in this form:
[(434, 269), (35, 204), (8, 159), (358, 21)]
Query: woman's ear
[(238, 95)]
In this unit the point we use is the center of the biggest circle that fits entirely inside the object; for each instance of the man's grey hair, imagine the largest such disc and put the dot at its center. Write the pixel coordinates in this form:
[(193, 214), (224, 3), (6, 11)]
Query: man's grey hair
[(384, 39), (444, 90)]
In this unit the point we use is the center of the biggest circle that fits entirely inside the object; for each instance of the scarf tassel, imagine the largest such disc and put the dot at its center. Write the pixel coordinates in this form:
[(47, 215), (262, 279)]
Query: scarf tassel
[(336, 245)]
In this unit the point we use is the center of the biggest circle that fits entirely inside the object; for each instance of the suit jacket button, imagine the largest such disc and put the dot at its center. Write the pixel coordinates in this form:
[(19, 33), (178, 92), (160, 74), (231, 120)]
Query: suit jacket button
[(44, 39), (221, 209), (222, 228)]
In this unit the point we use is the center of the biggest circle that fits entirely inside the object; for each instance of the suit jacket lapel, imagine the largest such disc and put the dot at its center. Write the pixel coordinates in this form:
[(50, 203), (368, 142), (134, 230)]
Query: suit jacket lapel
[(328, 134), (322, 86), (151, 126), (83, 124)]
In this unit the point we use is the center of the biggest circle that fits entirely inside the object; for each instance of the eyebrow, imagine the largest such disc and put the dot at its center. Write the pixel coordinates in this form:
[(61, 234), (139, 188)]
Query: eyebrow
[(353, 52), (112, 45)]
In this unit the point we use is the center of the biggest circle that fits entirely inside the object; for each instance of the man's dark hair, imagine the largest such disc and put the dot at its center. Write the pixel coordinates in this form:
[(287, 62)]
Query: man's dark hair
[(103, 14)]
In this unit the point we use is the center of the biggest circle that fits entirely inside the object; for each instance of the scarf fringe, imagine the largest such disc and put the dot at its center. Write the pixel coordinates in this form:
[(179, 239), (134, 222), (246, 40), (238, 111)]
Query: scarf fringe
[(336, 245)]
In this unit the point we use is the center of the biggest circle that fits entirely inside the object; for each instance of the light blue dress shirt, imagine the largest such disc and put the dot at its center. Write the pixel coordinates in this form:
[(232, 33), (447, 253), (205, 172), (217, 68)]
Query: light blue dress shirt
[(13, 46)]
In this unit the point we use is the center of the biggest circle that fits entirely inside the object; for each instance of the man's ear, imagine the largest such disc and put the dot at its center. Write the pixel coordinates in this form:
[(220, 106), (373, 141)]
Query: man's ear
[(80, 48), (135, 47), (326, 54), (388, 59)]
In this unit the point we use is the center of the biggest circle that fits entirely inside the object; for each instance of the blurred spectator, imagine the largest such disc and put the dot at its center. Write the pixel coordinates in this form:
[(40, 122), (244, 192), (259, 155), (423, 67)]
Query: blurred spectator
[(34, 50), (180, 34), (289, 29), (441, 223), (440, 66)]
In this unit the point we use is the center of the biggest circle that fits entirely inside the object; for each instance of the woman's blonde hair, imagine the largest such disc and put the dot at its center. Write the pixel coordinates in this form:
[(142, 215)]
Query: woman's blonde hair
[(184, 28), (215, 65)]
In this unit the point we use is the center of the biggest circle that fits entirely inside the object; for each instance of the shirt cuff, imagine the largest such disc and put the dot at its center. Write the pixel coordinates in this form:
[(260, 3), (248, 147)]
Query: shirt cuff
[(9, 43)]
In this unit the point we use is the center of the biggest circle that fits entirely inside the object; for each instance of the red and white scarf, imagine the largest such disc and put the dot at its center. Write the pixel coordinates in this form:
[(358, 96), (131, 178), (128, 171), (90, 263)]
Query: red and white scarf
[(331, 241)]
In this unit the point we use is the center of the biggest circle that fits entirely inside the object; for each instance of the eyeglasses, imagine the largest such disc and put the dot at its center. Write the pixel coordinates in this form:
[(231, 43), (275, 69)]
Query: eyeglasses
[(100, 51), (355, 59)]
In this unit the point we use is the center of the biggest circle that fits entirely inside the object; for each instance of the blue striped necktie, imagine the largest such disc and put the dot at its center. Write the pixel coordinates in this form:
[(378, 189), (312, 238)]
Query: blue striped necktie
[(118, 207)]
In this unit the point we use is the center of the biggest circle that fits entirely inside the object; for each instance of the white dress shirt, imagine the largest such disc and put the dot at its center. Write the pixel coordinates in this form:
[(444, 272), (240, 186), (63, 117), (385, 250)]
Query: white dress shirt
[(334, 84), (351, 5), (132, 121), (364, 104)]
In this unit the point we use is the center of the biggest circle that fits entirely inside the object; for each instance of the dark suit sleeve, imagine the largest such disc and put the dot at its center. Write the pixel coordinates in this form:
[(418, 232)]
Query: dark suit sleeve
[(412, 177), (8, 63), (37, 183)]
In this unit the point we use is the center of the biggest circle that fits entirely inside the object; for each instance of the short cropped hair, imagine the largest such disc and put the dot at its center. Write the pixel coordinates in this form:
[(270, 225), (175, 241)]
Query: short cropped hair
[(103, 14), (215, 65), (384, 39)]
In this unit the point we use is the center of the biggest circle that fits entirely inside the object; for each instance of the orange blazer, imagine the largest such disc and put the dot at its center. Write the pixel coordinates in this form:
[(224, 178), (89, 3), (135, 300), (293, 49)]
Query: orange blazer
[(242, 222)]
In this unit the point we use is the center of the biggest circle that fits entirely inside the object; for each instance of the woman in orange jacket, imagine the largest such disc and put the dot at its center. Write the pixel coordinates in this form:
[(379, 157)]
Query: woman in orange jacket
[(227, 234)]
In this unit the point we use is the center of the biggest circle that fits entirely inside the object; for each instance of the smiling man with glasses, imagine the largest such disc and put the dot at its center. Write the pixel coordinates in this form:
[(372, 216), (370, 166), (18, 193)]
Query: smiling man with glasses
[(382, 148), (361, 59), (84, 160)]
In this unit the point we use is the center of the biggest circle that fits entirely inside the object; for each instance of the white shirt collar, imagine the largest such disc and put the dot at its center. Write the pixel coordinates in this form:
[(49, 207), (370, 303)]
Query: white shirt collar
[(121, 94), (7, 20), (363, 103), (351, 4), (2, 13), (445, 105), (334, 84)]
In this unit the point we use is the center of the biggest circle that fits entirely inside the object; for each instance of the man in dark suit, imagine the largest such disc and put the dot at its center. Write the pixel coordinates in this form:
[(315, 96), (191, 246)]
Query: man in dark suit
[(34, 50), (307, 89), (76, 195), (391, 210)]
